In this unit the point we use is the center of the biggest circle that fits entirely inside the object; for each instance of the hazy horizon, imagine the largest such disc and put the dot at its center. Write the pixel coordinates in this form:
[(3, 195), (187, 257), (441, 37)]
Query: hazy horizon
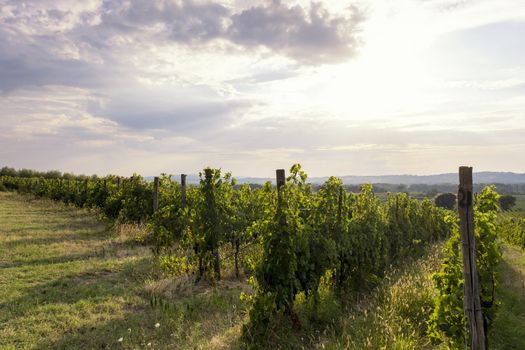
[(361, 88), (271, 174)]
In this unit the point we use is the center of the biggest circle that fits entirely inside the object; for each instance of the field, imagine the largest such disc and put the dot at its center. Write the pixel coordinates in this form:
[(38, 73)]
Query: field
[(72, 281), (69, 281)]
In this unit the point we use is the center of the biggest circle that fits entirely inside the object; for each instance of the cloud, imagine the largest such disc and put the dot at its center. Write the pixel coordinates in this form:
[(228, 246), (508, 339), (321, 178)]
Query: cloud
[(179, 117), (308, 35), (40, 71), (87, 44), (44, 59), (311, 36)]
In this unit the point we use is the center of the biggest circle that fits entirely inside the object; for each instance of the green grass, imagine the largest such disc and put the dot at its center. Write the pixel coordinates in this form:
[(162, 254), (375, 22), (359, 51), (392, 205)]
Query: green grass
[(68, 281), (394, 315), (508, 329)]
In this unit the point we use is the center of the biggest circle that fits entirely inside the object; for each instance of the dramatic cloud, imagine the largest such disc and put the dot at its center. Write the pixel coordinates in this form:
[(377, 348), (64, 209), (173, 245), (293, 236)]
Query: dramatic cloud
[(309, 35)]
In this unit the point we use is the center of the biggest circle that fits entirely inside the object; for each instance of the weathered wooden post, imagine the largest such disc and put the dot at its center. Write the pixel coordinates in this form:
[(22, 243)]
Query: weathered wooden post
[(213, 217), (155, 194), (339, 237), (183, 190), (281, 180), (281, 219), (471, 289), (339, 213)]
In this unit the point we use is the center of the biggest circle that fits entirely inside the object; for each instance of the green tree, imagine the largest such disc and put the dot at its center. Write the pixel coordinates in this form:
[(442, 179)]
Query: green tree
[(507, 202), (446, 201)]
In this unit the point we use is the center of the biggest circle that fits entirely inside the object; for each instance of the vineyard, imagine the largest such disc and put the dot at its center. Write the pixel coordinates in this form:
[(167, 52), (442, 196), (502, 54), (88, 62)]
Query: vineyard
[(298, 249)]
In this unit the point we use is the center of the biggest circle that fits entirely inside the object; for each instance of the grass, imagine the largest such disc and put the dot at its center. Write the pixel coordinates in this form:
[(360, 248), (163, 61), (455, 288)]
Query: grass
[(508, 329), (394, 315), (71, 281)]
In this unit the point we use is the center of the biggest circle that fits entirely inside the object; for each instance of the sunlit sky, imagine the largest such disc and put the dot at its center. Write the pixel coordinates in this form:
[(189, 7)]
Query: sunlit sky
[(342, 87)]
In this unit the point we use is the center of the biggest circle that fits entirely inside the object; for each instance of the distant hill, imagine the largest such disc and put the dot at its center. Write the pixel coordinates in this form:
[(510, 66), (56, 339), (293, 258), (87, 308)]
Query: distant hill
[(485, 177), (449, 178)]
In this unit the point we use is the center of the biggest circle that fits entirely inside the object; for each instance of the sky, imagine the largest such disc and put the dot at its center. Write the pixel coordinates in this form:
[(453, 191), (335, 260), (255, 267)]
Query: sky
[(368, 87)]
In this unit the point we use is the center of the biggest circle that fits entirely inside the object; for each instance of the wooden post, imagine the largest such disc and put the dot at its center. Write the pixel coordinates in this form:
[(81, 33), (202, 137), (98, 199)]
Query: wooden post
[(471, 289), (339, 237), (118, 183), (339, 214), (214, 220), (281, 219), (281, 180), (155, 194), (183, 190)]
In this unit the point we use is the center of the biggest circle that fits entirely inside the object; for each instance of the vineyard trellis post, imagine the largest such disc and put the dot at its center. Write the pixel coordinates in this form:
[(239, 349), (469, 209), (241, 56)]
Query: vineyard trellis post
[(183, 190), (339, 239), (155, 193), (213, 220), (471, 288), (281, 180)]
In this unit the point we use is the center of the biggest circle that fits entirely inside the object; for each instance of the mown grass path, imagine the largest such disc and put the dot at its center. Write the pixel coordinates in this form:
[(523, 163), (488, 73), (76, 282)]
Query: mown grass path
[(508, 329), (67, 282)]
